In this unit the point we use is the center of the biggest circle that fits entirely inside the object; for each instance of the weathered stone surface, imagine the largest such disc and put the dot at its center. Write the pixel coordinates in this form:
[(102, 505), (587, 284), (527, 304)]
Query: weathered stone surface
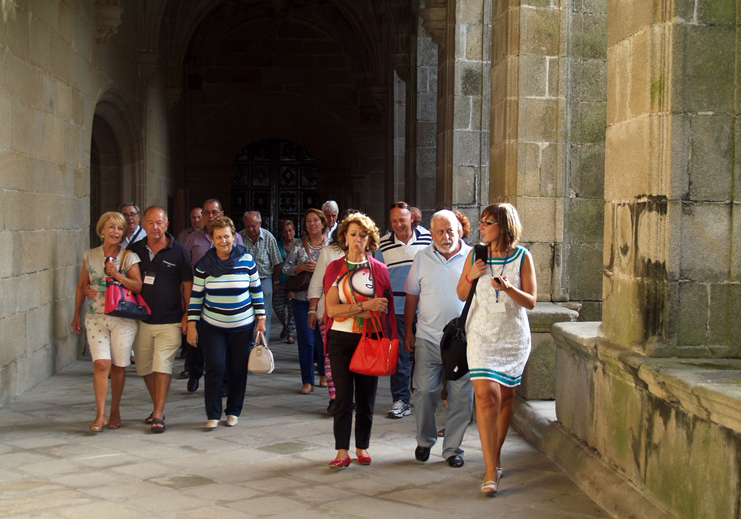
[(711, 158), (670, 426), (533, 75), (540, 118), (585, 272), (705, 235), (704, 68), (587, 171), (542, 36), (589, 34)]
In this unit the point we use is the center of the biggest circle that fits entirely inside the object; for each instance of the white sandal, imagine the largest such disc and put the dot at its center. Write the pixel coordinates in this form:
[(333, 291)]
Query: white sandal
[(489, 488)]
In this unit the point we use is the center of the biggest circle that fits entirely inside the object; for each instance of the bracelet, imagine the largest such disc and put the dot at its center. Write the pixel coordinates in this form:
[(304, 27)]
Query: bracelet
[(469, 281), (360, 306), (312, 311)]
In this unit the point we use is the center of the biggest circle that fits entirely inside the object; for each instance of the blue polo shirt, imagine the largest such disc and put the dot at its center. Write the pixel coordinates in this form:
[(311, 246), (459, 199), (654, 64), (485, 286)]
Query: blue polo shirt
[(172, 267), (435, 279), (398, 257)]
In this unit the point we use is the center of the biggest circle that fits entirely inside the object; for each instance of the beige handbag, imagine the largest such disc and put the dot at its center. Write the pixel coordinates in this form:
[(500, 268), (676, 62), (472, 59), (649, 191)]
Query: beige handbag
[(261, 358)]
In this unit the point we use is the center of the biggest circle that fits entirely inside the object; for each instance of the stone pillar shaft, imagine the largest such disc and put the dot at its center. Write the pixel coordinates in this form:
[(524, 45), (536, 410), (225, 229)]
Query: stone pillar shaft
[(672, 279)]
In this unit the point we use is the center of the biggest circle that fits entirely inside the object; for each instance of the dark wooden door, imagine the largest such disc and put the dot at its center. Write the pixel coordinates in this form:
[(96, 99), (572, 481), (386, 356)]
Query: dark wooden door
[(275, 177)]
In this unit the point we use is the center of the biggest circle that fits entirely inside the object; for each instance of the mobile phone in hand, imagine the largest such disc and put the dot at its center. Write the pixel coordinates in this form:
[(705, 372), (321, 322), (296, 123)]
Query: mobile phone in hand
[(498, 279)]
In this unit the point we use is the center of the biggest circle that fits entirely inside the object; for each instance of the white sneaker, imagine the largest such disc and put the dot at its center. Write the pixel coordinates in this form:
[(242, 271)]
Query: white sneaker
[(399, 409), (231, 420)]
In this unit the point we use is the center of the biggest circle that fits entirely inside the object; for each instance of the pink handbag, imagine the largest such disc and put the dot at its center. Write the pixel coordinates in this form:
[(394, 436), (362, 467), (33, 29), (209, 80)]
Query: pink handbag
[(122, 302)]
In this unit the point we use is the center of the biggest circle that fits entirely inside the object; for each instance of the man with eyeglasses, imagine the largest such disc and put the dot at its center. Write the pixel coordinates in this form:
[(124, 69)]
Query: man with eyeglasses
[(134, 232), (397, 250), (197, 244)]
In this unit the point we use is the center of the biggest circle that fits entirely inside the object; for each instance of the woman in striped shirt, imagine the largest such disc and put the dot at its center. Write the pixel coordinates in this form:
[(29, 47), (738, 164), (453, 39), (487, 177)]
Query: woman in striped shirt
[(226, 308)]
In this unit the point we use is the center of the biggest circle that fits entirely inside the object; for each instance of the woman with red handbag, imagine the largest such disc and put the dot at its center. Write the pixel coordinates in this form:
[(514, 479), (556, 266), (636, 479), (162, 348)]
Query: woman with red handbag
[(110, 338), (357, 289)]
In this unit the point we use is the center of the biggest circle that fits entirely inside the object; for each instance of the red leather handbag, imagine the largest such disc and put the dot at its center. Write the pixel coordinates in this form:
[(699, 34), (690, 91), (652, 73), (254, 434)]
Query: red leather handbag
[(375, 357)]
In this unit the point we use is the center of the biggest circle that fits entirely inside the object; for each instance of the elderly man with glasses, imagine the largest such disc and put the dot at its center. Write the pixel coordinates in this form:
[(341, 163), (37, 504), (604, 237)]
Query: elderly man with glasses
[(134, 231)]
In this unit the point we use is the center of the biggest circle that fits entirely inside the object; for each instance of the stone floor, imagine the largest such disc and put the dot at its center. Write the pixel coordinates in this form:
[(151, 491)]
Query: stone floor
[(274, 463)]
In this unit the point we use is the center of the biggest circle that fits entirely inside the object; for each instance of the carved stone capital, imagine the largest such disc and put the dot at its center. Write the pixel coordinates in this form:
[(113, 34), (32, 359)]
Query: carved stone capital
[(402, 63), (107, 19), (434, 20), (148, 62)]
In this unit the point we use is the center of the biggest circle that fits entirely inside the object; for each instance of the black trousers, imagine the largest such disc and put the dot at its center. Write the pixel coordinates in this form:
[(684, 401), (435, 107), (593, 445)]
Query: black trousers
[(340, 347)]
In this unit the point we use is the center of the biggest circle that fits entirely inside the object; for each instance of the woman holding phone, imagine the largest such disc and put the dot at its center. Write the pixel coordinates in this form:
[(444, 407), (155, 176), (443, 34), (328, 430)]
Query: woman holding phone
[(497, 329)]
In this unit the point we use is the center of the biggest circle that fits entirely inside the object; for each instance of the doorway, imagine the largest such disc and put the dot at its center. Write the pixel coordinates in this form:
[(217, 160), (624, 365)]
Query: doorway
[(275, 177)]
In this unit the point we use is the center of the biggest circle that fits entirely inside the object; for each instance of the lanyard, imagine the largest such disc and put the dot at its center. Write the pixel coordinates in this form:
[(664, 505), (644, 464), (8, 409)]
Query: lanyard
[(491, 270)]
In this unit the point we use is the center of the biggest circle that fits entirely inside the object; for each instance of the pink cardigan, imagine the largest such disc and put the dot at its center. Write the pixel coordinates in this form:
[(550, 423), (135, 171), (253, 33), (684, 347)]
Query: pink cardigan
[(382, 283)]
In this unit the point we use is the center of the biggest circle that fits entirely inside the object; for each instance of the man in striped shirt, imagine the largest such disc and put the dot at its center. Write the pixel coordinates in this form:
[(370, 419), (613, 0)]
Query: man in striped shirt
[(397, 251)]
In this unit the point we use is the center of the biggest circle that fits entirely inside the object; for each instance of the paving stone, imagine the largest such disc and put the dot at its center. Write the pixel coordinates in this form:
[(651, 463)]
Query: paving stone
[(274, 463)]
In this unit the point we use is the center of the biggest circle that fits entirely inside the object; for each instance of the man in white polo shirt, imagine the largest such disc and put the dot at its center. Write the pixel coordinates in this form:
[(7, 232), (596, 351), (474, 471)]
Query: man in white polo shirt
[(397, 250), (431, 294)]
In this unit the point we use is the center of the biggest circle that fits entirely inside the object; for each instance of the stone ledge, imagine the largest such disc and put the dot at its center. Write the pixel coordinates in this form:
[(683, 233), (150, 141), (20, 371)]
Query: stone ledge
[(545, 315), (600, 480), (707, 388)]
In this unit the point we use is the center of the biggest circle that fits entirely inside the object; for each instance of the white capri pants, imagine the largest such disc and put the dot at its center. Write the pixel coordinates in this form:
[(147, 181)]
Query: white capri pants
[(111, 338)]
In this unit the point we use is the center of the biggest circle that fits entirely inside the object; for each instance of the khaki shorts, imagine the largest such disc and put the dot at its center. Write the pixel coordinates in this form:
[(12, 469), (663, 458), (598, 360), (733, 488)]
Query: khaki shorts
[(156, 346)]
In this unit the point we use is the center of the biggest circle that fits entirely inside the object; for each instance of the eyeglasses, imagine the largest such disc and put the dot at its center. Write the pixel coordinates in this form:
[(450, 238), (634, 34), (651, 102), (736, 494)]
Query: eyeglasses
[(130, 215), (211, 213), (487, 224), (400, 205)]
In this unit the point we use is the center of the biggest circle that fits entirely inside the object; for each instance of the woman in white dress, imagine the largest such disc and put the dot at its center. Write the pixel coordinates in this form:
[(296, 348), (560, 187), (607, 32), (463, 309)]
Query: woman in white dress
[(497, 329)]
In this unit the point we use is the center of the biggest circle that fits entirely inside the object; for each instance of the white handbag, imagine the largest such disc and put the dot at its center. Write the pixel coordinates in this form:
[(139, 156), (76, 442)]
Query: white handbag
[(261, 358)]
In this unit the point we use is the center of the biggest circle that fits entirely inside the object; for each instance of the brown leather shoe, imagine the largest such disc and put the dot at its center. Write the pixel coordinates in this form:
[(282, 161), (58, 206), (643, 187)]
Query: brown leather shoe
[(322, 381), (307, 389)]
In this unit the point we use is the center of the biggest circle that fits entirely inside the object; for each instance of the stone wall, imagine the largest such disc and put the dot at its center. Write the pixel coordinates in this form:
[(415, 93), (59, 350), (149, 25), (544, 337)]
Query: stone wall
[(672, 282), (547, 138), (669, 428), (53, 74)]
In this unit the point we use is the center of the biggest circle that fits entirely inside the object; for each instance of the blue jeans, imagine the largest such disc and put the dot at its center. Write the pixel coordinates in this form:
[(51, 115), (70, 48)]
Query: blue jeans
[(310, 343), (225, 350), (400, 380)]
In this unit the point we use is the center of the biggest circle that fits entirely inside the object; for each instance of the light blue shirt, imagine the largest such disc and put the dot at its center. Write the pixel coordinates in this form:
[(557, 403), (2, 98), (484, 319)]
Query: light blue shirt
[(435, 280)]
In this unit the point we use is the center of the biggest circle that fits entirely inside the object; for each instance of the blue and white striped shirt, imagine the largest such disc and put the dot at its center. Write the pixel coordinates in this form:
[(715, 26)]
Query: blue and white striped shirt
[(398, 257), (231, 300)]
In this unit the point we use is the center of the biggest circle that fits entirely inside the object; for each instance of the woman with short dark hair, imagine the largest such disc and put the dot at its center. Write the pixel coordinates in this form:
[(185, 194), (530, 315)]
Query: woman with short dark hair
[(227, 299)]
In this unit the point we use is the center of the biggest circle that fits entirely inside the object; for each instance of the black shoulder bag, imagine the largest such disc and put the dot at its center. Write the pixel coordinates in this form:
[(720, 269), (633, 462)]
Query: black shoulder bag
[(453, 345)]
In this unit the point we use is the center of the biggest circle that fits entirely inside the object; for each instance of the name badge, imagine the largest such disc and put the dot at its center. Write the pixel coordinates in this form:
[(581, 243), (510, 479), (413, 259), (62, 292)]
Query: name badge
[(498, 308), (149, 278)]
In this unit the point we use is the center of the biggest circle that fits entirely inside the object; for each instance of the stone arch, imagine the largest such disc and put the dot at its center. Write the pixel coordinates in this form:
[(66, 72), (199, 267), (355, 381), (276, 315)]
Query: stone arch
[(292, 117), (119, 129)]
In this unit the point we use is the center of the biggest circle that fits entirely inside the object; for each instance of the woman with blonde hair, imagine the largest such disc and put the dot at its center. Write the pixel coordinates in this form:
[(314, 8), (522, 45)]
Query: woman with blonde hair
[(497, 329), (110, 338)]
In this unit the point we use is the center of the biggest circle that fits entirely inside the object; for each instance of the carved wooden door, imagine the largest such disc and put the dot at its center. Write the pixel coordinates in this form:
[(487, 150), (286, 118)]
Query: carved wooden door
[(275, 177)]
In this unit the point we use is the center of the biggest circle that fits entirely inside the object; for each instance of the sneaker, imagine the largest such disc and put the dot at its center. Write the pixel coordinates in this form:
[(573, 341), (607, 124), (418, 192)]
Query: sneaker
[(399, 409)]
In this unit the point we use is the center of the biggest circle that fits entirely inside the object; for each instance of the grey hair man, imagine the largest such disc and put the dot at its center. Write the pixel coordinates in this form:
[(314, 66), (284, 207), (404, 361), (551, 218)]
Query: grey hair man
[(264, 249), (331, 210), (196, 222), (432, 278), (134, 231)]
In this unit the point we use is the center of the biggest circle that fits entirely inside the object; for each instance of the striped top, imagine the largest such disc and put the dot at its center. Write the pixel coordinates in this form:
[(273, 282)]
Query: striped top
[(398, 257), (232, 300)]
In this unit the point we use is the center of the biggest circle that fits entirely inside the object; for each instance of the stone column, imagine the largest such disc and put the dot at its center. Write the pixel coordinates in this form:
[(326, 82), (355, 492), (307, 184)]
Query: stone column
[(462, 30), (672, 281)]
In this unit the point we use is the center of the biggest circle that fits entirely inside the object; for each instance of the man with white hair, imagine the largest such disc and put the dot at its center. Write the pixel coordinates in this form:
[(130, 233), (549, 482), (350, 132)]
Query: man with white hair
[(331, 210), (431, 294)]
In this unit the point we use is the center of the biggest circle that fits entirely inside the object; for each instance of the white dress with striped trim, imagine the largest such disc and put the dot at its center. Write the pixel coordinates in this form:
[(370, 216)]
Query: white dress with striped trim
[(498, 343)]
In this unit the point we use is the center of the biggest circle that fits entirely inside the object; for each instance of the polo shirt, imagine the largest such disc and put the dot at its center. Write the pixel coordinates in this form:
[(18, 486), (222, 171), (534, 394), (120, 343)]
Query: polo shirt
[(199, 242), (398, 257), (265, 252), (435, 280), (172, 267)]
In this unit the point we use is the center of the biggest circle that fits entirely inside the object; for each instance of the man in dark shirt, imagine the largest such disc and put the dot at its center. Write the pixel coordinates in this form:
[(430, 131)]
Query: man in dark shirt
[(168, 280)]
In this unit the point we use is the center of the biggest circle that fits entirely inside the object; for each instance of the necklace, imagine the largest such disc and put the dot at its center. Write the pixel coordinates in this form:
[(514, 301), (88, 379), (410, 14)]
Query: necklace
[(316, 247)]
